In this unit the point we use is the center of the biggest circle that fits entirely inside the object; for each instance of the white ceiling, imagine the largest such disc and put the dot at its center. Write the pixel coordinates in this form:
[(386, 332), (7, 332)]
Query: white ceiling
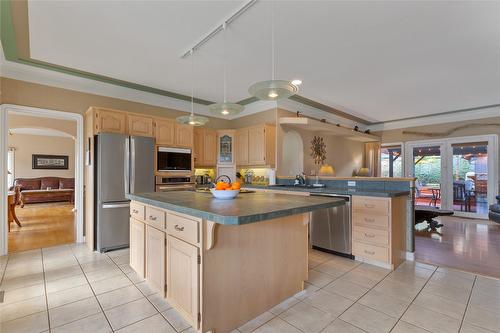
[(377, 60)]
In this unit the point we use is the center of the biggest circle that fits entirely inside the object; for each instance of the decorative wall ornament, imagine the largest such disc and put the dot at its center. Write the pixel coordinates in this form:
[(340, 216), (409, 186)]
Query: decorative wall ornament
[(318, 150), (449, 132)]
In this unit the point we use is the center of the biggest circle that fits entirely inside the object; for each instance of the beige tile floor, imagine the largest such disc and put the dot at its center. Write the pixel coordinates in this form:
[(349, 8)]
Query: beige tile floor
[(70, 289)]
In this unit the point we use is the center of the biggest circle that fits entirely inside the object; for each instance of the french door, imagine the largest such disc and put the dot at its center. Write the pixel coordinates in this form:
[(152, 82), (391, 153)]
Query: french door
[(458, 174)]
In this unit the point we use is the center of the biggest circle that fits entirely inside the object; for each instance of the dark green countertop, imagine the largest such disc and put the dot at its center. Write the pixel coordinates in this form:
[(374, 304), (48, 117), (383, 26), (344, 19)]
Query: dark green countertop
[(245, 208), (332, 190)]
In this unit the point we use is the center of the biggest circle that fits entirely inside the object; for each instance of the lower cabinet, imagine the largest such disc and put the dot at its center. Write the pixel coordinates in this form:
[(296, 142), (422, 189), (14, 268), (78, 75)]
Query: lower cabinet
[(182, 277), (155, 259), (137, 238)]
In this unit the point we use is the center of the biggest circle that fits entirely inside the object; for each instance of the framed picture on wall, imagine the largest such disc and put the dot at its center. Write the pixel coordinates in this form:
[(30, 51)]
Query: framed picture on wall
[(50, 161)]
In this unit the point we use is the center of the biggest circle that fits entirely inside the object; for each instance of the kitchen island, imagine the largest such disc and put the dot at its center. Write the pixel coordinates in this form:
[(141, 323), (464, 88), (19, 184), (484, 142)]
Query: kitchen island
[(221, 263)]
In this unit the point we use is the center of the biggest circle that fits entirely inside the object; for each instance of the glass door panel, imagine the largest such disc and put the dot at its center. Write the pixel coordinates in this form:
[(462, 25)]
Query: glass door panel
[(427, 168), (470, 177), (391, 161)]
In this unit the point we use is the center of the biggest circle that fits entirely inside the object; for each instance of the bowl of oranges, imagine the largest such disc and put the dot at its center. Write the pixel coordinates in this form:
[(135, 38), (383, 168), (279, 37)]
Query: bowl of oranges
[(225, 190)]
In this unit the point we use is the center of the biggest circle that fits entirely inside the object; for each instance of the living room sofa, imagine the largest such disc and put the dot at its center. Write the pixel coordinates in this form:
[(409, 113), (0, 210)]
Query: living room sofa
[(45, 189)]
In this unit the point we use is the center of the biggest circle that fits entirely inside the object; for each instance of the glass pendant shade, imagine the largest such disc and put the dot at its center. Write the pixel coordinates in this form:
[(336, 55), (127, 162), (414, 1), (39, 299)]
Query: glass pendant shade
[(225, 109), (273, 90), (192, 120)]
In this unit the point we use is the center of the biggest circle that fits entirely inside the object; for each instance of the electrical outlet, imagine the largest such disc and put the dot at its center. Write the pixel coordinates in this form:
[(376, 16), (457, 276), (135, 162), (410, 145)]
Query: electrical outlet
[(351, 183)]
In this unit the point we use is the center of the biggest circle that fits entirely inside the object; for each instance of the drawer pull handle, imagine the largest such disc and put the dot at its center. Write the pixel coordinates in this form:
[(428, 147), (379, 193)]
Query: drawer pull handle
[(369, 235), (369, 220), (135, 211), (176, 227), (370, 252), (152, 218), (369, 206)]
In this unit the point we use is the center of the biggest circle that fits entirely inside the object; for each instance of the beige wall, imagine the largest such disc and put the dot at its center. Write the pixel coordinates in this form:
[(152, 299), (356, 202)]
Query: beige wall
[(344, 155), (47, 97), (27, 145), (21, 121)]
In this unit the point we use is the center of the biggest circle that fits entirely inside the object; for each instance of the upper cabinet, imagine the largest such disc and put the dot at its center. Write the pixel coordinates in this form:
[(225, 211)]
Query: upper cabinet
[(183, 135), (256, 146), (225, 149), (140, 126), (165, 132), (205, 147), (108, 121), (169, 133), (241, 146)]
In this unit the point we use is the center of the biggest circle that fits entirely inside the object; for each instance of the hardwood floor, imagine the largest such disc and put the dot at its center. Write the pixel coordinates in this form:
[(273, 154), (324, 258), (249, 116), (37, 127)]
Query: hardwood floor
[(43, 225), (465, 244)]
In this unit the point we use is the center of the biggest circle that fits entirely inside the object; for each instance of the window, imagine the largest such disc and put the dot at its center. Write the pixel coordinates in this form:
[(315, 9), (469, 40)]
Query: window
[(10, 167), (391, 161)]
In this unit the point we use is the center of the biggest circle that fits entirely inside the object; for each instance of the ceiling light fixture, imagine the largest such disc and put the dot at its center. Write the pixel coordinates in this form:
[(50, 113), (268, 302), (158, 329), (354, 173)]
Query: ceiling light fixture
[(192, 119), (273, 90), (225, 108)]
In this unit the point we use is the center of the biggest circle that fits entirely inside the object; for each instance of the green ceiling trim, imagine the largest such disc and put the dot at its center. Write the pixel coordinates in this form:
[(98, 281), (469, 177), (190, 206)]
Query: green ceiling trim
[(7, 33), (248, 100)]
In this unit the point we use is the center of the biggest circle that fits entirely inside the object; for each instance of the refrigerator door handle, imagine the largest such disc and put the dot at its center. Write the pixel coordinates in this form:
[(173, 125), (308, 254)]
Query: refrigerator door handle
[(127, 165), (132, 165), (118, 205)]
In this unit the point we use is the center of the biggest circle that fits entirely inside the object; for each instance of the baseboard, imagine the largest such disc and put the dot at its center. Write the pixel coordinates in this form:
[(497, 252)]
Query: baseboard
[(375, 263)]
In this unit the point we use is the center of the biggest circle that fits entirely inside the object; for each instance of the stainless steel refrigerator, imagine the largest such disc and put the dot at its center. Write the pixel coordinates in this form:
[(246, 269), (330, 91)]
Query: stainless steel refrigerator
[(123, 164)]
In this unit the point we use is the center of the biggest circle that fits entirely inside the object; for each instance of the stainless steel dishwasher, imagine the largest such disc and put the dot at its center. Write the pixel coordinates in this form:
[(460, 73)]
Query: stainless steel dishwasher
[(330, 228)]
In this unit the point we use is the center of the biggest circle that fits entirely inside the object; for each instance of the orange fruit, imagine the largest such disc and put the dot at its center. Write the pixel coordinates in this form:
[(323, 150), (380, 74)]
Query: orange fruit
[(236, 186), (220, 186), (227, 186)]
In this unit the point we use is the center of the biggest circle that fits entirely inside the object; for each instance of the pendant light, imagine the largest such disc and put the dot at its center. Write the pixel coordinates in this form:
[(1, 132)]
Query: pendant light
[(192, 119), (225, 108), (273, 90)]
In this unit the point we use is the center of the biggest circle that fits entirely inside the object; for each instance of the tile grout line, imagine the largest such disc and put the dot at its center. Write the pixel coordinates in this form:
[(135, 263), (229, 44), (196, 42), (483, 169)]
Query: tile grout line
[(468, 301), (45, 290), (93, 292), (413, 300), (146, 297)]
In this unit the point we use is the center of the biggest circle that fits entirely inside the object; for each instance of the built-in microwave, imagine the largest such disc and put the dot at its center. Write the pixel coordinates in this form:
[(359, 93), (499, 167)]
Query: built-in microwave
[(173, 159)]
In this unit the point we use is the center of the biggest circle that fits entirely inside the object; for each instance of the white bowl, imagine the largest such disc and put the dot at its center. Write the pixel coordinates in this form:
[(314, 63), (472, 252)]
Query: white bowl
[(224, 194)]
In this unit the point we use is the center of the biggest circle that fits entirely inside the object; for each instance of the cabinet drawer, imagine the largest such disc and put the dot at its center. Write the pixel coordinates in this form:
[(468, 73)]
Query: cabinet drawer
[(372, 220), (183, 228), (370, 205), (155, 218), (369, 235), (372, 252), (137, 211)]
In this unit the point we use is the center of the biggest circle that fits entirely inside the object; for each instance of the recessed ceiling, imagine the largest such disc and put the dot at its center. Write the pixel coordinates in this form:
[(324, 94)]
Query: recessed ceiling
[(376, 60)]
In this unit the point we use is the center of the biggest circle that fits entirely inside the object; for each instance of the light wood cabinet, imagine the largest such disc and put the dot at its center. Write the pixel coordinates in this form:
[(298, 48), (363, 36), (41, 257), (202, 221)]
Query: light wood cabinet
[(137, 242), (241, 150), (256, 146), (182, 278), (155, 259), (140, 126), (204, 147), (110, 122), (165, 132), (183, 135), (378, 230), (210, 148)]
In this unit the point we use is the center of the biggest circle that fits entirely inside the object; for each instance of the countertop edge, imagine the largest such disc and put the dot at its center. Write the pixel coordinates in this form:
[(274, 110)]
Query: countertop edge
[(330, 190), (232, 220)]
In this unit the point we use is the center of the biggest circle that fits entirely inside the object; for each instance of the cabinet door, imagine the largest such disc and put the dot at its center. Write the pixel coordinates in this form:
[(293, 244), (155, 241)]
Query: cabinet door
[(257, 145), (165, 132), (198, 146), (183, 135), (182, 278), (241, 151), (155, 259), (140, 126), (110, 122), (210, 148), (137, 235)]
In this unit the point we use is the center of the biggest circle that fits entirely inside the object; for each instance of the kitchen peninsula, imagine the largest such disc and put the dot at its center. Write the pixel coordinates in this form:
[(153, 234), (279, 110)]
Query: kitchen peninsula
[(221, 263)]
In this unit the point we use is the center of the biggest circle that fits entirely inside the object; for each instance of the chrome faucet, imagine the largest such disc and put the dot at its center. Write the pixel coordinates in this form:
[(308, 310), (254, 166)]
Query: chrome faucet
[(300, 179)]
